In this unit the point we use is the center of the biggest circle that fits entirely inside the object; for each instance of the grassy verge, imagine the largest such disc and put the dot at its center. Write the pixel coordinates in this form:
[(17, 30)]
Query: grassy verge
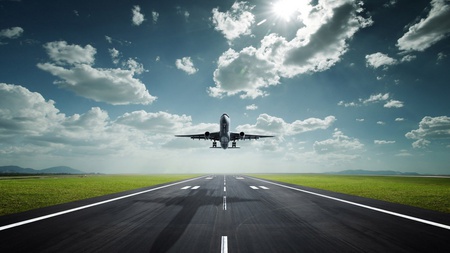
[(424, 192), (22, 194)]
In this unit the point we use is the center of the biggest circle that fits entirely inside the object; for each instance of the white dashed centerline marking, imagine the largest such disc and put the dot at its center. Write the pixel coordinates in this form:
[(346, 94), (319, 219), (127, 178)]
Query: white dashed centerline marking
[(186, 187), (263, 187), (224, 202), (254, 187), (224, 246), (195, 187)]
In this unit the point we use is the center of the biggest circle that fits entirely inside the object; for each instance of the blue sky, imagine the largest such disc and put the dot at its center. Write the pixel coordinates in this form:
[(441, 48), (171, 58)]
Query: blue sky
[(103, 86)]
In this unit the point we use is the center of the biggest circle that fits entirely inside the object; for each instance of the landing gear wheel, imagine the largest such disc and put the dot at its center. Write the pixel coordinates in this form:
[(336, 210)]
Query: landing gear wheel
[(214, 144), (233, 144)]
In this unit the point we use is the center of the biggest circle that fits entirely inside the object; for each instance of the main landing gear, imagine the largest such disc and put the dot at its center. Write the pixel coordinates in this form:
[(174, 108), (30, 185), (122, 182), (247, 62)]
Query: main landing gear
[(233, 144), (214, 144)]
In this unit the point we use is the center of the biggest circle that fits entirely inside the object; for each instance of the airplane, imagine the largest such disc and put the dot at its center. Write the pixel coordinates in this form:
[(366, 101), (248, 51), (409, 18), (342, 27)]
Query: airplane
[(224, 136)]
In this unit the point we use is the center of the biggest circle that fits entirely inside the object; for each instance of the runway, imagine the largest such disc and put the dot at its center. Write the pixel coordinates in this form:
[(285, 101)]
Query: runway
[(226, 213)]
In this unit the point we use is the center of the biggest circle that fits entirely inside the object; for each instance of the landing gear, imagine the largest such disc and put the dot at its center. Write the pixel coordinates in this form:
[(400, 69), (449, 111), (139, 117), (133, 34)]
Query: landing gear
[(233, 144), (214, 144)]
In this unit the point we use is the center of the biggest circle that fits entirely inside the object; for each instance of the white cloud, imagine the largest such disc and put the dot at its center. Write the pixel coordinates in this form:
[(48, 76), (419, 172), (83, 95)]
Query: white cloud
[(30, 125), (160, 122), (429, 30), (155, 16), (339, 144), (11, 33), (62, 53), (377, 60), (114, 86), (115, 55), (393, 104), (235, 22), (399, 119), (186, 65), (23, 112), (383, 142), (318, 45), (381, 123), (243, 72), (251, 107), (138, 17), (376, 98), (135, 66), (430, 128), (266, 124)]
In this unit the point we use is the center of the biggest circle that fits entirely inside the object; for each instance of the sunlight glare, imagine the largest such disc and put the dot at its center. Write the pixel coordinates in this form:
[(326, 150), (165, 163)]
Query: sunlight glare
[(285, 8)]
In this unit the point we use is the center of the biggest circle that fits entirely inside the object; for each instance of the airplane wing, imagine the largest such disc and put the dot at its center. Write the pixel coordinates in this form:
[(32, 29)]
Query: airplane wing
[(242, 136), (206, 136)]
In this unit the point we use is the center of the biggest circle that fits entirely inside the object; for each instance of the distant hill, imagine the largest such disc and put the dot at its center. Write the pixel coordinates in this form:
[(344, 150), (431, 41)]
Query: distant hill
[(52, 170), (374, 172)]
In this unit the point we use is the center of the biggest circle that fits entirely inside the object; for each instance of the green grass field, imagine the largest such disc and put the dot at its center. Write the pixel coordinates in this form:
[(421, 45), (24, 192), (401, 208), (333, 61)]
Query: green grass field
[(424, 192), (18, 194)]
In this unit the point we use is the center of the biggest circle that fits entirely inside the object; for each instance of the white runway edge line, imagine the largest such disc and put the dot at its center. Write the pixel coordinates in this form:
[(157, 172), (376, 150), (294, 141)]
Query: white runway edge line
[(432, 223), (224, 246), (90, 205)]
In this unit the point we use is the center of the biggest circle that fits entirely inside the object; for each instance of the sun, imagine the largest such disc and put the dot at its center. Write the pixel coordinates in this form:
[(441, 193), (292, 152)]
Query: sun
[(285, 9)]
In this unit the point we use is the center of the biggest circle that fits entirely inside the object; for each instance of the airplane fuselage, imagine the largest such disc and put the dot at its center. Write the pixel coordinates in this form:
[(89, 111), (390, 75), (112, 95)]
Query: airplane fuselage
[(224, 130)]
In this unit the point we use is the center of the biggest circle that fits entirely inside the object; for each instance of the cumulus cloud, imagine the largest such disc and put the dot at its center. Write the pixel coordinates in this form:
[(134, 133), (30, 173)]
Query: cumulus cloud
[(383, 142), (160, 122), (374, 99), (186, 65), (62, 53), (251, 107), (377, 60), (393, 104), (31, 124), (318, 45), (114, 86), (11, 33), (235, 22), (155, 16), (339, 144), (138, 17), (430, 128), (266, 124), (429, 30), (23, 112), (115, 55)]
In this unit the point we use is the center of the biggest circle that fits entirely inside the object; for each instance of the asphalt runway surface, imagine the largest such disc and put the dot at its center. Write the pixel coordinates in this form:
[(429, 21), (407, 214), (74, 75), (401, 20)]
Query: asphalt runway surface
[(226, 213)]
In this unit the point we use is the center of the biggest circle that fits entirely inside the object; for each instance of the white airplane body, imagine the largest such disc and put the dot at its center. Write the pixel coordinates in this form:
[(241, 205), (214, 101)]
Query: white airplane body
[(224, 136)]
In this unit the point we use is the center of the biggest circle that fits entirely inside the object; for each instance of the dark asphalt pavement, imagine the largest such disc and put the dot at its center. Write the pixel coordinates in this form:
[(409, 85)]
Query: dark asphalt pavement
[(227, 214)]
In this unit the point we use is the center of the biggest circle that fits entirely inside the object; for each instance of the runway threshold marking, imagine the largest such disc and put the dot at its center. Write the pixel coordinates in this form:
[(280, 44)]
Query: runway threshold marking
[(432, 223), (224, 245), (20, 223), (256, 187), (193, 187)]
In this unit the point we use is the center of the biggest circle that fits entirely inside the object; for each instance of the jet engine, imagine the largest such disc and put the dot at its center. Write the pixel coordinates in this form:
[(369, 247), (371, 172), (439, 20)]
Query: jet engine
[(241, 135), (206, 135)]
